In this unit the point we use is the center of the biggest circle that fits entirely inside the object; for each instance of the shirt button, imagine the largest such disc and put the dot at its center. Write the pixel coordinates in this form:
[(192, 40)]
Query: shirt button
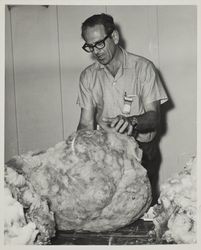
[(114, 82)]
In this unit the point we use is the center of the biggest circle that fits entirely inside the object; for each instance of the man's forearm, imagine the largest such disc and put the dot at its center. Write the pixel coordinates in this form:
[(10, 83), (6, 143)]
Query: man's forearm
[(86, 119), (83, 126), (146, 122), (80, 126)]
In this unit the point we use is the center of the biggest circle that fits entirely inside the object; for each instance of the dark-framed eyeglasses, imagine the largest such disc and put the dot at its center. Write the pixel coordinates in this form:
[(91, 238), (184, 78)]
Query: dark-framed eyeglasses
[(99, 44)]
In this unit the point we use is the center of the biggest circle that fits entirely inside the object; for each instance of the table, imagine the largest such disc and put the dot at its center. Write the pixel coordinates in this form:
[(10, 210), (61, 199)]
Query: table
[(135, 234)]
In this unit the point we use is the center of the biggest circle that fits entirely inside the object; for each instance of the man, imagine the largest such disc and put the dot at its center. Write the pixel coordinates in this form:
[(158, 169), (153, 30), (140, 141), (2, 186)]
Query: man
[(120, 90)]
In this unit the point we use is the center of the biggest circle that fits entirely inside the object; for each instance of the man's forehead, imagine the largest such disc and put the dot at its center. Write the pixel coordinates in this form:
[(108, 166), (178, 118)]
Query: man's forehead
[(97, 30)]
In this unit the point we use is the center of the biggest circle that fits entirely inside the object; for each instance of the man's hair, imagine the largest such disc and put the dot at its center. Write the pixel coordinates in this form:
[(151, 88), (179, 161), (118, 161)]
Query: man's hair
[(104, 19)]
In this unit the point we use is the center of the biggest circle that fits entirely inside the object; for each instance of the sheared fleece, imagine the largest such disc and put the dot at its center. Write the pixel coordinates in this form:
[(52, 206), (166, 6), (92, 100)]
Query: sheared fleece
[(92, 181)]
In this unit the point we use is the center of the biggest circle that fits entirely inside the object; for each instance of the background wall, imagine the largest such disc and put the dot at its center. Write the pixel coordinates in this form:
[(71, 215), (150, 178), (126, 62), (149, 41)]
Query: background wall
[(44, 59)]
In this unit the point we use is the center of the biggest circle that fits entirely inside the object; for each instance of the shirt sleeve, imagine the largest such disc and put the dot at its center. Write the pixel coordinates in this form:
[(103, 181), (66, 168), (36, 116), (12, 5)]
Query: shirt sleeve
[(85, 99), (152, 88)]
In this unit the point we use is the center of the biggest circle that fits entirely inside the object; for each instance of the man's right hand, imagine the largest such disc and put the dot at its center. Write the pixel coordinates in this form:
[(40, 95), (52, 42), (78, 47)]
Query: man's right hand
[(105, 124)]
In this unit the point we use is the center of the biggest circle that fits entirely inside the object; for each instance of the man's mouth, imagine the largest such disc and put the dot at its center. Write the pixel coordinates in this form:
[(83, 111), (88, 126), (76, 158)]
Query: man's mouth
[(100, 57)]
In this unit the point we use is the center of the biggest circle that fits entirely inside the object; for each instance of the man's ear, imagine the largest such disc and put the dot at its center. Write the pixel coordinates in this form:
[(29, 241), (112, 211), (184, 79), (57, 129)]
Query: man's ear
[(115, 36)]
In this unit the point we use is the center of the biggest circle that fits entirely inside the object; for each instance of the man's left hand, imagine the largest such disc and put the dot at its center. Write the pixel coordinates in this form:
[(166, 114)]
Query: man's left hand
[(120, 123)]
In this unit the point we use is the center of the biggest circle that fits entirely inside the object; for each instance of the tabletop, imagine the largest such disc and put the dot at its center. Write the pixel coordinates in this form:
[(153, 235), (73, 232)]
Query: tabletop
[(137, 233)]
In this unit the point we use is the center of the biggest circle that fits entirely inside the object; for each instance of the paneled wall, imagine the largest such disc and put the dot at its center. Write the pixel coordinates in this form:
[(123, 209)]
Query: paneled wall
[(178, 57), (44, 59)]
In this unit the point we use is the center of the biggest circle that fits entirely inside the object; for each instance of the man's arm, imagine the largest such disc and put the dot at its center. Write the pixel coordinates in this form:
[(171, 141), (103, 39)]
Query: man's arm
[(146, 122), (86, 119), (150, 120)]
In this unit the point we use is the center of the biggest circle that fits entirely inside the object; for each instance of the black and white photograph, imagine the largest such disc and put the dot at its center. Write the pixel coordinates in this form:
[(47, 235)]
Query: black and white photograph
[(100, 124)]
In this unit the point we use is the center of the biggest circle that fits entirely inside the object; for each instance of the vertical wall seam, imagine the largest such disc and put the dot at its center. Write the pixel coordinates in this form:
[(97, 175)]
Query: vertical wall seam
[(161, 173), (158, 43), (14, 83), (60, 78)]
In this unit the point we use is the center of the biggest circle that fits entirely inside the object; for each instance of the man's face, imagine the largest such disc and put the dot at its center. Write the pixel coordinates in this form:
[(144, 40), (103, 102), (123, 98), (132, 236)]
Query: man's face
[(95, 34)]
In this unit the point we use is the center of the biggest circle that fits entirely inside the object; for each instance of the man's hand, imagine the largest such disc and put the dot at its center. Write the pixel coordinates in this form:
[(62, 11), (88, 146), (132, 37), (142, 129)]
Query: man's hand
[(120, 123)]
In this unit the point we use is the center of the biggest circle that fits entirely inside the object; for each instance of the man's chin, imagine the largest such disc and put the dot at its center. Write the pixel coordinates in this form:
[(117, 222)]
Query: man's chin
[(102, 61)]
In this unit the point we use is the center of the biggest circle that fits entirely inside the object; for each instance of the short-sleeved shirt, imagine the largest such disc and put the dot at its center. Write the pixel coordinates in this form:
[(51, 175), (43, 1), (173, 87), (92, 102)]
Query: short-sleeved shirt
[(137, 77)]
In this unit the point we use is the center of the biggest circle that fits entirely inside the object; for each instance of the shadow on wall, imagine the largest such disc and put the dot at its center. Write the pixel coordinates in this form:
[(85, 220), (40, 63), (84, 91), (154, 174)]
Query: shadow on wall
[(164, 109), (155, 158)]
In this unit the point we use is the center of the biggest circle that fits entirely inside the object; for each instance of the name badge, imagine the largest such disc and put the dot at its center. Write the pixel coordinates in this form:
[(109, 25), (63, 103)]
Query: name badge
[(128, 99)]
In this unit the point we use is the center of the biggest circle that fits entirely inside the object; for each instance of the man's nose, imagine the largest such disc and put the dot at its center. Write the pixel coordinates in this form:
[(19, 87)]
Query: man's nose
[(96, 51)]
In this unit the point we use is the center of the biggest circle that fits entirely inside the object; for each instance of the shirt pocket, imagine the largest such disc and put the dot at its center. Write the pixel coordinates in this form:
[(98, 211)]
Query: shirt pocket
[(137, 107)]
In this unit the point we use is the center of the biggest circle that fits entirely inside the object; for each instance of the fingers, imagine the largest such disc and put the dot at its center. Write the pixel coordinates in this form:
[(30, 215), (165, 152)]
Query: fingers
[(123, 127), (105, 124), (112, 121), (115, 122), (130, 130), (108, 119), (120, 123)]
